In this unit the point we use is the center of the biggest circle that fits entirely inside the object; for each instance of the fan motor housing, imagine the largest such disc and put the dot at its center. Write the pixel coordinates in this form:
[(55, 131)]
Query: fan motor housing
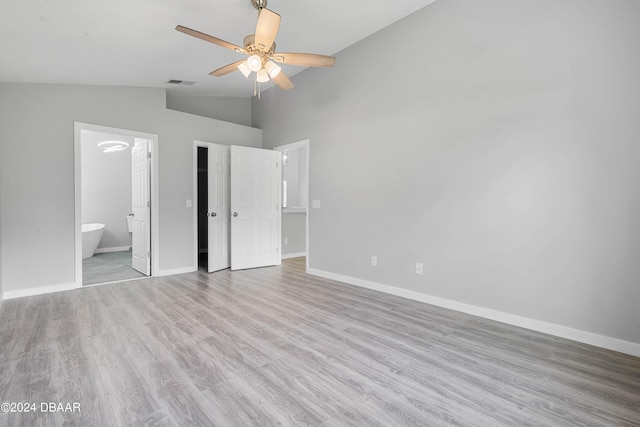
[(259, 4), (250, 45)]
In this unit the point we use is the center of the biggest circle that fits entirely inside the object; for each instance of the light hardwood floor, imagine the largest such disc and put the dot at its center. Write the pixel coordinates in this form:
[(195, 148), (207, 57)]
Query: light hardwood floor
[(274, 346)]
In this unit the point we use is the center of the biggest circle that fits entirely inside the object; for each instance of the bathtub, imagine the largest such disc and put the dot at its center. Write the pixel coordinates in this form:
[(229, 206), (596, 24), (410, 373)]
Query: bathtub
[(91, 235)]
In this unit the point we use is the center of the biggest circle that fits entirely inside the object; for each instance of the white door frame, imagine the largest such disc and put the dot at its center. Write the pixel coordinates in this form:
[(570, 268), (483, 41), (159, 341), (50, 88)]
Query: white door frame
[(207, 145), (300, 144), (78, 127)]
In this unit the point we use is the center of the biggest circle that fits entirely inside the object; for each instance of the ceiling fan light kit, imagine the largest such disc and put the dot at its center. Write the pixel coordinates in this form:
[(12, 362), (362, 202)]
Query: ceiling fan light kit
[(244, 68), (254, 63), (262, 76), (261, 49), (272, 69)]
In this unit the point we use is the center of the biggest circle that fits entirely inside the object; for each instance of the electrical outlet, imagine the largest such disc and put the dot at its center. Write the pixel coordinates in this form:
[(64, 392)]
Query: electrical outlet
[(286, 240), (374, 261), (419, 268)]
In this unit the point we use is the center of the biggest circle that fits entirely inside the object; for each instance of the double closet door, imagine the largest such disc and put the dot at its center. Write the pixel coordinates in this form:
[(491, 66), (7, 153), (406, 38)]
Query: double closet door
[(243, 212)]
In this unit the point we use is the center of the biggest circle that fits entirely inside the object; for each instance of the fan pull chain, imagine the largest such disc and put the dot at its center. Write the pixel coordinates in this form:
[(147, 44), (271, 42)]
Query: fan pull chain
[(255, 83)]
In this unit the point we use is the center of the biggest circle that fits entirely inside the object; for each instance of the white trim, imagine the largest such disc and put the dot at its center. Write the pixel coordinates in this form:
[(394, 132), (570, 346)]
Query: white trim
[(113, 249), (174, 271), (294, 210), (296, 255), (19, 293), (78, 127), (585, 337), (194, 201), (292, 146), (307, 260), (133, 279), (77, 178)]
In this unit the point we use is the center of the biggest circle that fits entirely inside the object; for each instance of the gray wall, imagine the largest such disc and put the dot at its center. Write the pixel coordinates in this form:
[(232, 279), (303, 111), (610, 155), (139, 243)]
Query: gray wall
[(229, 109), (37, 172), (106, 187), (495, 141)]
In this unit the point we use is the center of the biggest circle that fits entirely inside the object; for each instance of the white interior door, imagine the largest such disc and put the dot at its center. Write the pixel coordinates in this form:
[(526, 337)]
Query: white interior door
[(141, 239), (218, 211), (255, 207)]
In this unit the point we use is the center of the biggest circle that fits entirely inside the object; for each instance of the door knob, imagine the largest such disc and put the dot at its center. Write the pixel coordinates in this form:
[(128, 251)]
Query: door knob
[(235, 214), (214, 214)]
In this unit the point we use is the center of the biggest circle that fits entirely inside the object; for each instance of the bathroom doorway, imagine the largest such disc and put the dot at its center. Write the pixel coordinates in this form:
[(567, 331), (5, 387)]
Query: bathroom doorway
[(116, 213)]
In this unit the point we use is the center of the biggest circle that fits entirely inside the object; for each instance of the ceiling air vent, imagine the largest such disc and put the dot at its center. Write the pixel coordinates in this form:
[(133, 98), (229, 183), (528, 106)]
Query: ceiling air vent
[(181, 82)]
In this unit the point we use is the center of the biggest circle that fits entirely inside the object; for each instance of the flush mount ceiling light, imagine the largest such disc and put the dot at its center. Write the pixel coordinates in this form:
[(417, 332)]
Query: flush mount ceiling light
[(261, 49), (113, 146)]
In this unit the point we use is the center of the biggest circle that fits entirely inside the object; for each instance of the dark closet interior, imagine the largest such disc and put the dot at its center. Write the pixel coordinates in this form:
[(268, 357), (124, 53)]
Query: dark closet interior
[(203, 191)]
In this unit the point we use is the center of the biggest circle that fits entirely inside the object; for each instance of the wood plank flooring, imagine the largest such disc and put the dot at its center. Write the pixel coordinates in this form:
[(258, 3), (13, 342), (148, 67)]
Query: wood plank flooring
[(274, 346)]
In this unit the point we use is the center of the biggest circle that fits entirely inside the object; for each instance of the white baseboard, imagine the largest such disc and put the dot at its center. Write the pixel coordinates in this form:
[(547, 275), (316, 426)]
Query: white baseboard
[(585, 337), (19, 293), (114, 249), (173, 271), (296, 255)]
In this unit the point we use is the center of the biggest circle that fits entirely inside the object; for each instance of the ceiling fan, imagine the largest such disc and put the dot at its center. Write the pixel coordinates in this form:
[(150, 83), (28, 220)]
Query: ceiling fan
[(262, 51)]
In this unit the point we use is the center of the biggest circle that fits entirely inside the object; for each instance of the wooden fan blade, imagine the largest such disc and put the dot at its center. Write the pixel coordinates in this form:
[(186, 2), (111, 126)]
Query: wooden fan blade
[(210, 39), (282, 81), (305, 59), (266, 29), (226, 69)]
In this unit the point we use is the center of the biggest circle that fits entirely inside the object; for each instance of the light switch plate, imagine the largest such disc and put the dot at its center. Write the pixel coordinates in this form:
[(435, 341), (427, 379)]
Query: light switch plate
[(189, 203), (315, 204)]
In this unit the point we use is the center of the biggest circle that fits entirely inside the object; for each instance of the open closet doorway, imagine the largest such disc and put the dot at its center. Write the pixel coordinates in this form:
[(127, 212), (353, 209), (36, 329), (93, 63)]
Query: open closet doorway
[(115, 209), (295, 200), (212, 206), (237, 213)]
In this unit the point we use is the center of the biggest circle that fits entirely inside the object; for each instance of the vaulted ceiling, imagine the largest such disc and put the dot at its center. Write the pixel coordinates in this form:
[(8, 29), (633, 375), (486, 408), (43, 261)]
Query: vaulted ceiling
[(134, 43)]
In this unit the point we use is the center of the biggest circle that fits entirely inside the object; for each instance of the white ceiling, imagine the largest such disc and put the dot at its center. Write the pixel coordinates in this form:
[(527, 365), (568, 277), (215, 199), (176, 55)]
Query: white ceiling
[(134, 43)]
